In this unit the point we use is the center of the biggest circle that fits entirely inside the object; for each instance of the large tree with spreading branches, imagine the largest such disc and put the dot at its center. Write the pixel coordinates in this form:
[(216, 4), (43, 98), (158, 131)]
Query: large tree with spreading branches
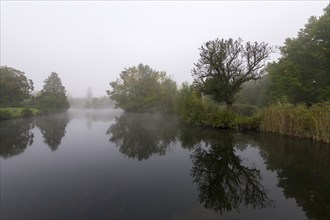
[(224, 65)]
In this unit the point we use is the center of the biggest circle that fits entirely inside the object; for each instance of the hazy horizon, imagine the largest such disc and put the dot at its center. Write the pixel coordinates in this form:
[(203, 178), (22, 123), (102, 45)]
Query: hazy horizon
[(89, 43)]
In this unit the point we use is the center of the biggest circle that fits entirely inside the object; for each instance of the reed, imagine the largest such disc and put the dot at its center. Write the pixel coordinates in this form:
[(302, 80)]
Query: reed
[(284, 118)]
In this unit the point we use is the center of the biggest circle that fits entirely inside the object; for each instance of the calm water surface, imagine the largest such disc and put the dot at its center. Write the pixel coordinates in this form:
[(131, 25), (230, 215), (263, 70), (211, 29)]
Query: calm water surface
[(114, 165)]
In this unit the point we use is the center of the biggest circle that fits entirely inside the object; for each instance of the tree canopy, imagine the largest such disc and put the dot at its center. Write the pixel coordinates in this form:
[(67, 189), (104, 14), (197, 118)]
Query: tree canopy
[(53, 94), (15, 86), (224, 65), (140, 88), (302, 74)]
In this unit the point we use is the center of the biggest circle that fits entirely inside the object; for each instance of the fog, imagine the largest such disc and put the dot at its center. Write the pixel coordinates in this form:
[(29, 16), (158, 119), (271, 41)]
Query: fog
[(89, 43)]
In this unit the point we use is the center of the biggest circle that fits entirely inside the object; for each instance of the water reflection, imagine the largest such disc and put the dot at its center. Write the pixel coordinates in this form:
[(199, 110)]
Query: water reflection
[(15, 136), (303, 171), (53, 129), (91, 116), (142, 135), (220, 164), (223, 183)]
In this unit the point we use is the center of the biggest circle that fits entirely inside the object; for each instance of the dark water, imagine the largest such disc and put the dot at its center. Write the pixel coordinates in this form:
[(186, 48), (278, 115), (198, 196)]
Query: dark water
[(139, 166)]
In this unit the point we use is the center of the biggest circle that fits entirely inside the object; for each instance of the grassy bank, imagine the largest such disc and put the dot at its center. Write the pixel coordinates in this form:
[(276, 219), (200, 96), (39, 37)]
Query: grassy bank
[(287, 119), (283, 118), (13, 112)]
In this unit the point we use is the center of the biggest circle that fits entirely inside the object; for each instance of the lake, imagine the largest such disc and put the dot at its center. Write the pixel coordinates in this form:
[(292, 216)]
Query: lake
[(107, 164)]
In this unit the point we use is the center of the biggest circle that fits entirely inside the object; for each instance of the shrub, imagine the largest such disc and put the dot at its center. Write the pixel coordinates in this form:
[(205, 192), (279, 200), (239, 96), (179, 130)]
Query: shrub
[(245, 109), (26, 112), (196, 109), (250, 123), (5, 114)]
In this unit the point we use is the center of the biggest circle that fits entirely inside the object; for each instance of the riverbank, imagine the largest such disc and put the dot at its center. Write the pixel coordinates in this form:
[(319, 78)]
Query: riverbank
[(282, 118), (17, 112), (301, 121)]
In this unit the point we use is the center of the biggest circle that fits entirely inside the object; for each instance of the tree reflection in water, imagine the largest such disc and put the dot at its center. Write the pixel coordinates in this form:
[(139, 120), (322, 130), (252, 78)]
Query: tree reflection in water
[(302, 168), (15, 136), (53, 129), (142, 135), (225, 184)]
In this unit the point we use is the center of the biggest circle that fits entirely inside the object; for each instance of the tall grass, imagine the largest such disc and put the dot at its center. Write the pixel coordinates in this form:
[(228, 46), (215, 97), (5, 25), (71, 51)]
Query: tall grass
[(312, 122)]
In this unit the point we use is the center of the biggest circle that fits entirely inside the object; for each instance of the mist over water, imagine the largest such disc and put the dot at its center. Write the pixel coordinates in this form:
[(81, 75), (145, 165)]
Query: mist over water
[(177, 70), (111, 164)]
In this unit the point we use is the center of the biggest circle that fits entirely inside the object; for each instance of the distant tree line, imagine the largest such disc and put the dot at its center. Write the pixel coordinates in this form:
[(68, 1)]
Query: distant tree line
[(92, 103)]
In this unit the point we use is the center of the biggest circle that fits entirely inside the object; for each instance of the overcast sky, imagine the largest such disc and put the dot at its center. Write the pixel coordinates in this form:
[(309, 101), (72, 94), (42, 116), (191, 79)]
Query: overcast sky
[(89, 43)]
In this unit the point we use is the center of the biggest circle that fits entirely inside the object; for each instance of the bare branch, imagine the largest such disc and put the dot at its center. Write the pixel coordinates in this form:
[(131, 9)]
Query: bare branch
[(229, 64)]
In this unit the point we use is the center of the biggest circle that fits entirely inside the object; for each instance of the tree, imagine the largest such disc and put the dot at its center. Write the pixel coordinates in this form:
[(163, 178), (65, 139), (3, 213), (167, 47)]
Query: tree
[(89, 96), (53, 95), (224, 65), (143, 89), (302, 74), (254, 92), (15, 86)]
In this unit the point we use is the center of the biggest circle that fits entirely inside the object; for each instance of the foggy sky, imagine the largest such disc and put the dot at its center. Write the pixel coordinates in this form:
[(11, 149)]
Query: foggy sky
[(89, 43)]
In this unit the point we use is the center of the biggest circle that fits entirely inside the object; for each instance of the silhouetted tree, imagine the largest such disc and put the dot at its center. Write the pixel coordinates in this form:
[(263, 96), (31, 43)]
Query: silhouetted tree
[(53, 95), (224, 65)]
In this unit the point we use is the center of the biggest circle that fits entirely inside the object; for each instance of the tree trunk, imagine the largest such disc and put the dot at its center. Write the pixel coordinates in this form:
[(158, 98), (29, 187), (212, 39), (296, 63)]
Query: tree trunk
[(229, 105)]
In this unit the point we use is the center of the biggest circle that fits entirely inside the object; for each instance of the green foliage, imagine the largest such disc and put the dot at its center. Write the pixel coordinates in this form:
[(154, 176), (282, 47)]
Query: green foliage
[(26, 112), (285, 118), (143, 89), (195, 109), (53, 102), (189, 105), (224, 65), (14, 86), (254, 92), (5, 114), (247, 123), (52, 96), (245, 109), (8, 113), (302, 74)]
